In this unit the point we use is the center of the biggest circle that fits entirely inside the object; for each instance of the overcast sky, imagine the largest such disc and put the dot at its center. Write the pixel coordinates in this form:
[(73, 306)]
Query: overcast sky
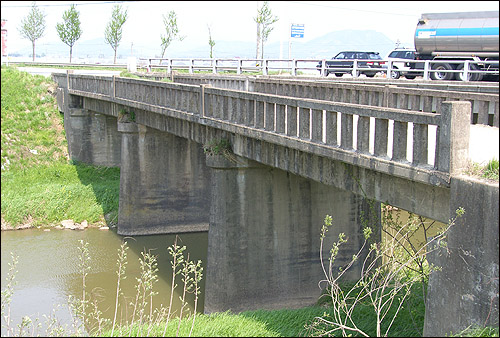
[(233, 20)]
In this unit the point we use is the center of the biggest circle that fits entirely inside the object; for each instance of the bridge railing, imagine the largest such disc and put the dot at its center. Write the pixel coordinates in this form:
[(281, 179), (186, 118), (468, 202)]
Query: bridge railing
[(391, 140), (485, 106), (343, 125)]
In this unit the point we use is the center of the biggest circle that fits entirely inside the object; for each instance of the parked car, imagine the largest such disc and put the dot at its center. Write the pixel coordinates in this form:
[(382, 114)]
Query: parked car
[(370, 63), (400, 58)]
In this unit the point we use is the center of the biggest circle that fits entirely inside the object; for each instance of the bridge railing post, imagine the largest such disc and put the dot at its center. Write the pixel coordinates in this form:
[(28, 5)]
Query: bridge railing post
[(452, 152), (202, 99), (323, 68)]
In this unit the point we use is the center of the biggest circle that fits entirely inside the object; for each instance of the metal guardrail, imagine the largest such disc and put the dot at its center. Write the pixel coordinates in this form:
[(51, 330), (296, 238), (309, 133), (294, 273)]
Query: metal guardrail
[(467, 67)]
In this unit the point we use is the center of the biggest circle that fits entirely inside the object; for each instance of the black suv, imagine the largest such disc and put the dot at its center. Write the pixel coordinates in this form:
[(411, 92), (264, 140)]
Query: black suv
[(370, 63)]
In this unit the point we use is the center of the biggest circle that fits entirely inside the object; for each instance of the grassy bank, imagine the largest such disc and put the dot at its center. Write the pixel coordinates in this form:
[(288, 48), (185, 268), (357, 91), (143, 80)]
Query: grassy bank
[(40, 186)]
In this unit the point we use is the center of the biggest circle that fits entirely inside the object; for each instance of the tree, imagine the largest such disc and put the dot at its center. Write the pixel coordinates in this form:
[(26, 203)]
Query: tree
[(114, 29), (264, 20), (171, 32), (210, 42), (33, 26), (69, 31)]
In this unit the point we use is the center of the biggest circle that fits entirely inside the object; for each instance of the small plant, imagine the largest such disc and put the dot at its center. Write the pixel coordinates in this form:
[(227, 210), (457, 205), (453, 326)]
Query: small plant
[(126, 116), (384, 285), (490, 171)]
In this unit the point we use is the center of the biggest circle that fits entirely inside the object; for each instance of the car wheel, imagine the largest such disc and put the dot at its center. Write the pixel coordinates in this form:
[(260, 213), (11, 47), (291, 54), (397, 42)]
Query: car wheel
[(395, 75), (410, 77), (339, 74), (441, 76), (369, 75)]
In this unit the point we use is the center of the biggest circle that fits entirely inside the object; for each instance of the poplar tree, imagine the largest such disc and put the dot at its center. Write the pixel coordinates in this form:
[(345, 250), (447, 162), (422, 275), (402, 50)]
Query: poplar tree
[(171, 31), (211, 42), (264, 20), (69, 30), (33, 26), (114, 29)]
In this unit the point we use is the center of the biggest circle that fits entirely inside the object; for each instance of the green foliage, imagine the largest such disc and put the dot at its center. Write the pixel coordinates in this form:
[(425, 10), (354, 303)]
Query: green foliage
[(489, 171), (114, 29), (217, 147), (33, 26), (477, 331), (69, 31), (171, 31)]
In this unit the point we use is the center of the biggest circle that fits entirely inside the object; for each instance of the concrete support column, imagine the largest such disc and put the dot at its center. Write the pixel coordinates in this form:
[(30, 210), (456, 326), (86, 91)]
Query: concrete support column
[(465, 291), (264, 236), (92, 138), (164, 183)]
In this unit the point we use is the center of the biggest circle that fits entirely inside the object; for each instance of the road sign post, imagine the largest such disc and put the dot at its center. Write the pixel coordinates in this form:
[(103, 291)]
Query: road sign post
[(296, 31)]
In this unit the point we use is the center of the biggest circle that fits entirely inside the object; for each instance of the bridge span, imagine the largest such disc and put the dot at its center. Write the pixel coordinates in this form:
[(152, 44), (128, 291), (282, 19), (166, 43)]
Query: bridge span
[(259, 167)]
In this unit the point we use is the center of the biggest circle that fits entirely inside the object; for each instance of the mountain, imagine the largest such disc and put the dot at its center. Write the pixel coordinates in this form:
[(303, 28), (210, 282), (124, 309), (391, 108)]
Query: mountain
[(325, 46)]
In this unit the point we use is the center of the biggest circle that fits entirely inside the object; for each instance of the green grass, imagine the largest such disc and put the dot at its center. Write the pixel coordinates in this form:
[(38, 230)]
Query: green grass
[(489, 171), (39, 185)]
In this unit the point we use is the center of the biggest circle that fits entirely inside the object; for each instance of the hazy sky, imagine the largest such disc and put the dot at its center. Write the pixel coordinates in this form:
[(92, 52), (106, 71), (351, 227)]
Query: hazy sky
[(232, 20)]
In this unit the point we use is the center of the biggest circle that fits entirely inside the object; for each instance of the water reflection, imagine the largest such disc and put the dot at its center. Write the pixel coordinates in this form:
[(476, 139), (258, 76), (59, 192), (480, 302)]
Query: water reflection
[(48, 269)]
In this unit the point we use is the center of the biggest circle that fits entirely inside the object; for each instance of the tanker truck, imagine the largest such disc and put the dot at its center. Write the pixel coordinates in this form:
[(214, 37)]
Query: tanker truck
[(454, 38)]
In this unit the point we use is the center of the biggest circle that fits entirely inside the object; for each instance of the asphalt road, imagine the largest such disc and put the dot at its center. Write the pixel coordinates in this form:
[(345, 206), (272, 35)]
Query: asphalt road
[(48, 71)]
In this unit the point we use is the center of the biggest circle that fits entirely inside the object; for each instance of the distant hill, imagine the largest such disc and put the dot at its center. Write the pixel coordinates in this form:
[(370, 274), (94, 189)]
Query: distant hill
[(325, 46)]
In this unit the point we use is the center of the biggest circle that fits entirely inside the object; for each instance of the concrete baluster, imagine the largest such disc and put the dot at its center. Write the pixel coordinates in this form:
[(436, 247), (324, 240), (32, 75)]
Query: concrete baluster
[(453, 137)]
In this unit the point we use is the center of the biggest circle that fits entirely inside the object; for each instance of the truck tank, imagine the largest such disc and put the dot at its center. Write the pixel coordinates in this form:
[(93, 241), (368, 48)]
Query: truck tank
[(467, 32)]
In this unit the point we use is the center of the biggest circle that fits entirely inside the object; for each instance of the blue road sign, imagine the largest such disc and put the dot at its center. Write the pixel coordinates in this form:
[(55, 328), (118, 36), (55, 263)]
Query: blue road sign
[(297, 30)]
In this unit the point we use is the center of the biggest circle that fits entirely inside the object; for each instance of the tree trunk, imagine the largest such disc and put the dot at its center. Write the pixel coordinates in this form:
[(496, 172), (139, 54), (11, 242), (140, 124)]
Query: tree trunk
[(33, 45), (115, 58), (70, 53)]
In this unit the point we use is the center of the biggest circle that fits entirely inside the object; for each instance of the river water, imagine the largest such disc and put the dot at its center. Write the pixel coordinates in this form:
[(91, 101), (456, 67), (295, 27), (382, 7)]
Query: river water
[(48, 269)]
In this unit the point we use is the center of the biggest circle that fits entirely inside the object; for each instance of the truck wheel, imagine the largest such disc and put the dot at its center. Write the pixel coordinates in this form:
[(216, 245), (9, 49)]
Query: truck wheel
[(339, 74), (442, 76), (471, 77), (410, 77)]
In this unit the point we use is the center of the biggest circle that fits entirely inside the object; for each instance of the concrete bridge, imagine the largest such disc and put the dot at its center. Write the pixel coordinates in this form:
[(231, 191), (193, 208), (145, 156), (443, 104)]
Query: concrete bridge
[(259, 163)]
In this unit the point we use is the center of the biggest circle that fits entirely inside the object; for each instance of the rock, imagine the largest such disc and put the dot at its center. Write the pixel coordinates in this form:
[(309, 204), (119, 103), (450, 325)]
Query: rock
[(68, 224), (104, 228), (84, 224)]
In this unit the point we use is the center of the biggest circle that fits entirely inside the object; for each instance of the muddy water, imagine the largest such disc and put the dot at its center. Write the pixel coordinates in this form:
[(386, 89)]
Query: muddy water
[(48, 269)]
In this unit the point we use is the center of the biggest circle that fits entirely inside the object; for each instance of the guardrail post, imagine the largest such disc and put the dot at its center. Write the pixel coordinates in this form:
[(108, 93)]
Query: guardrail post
[(355, 68), (191, 66), (323, 67), (426, 70), (169, 66), (214, 66), (238, 69), (466, 70), (389, 69), (294, 67), (452, 154), (264, 67)]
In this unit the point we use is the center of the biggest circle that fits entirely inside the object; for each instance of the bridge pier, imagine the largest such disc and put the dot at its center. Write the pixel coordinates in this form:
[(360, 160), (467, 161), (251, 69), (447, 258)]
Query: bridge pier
[(92, 137), (164, 183), (264, 236)]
